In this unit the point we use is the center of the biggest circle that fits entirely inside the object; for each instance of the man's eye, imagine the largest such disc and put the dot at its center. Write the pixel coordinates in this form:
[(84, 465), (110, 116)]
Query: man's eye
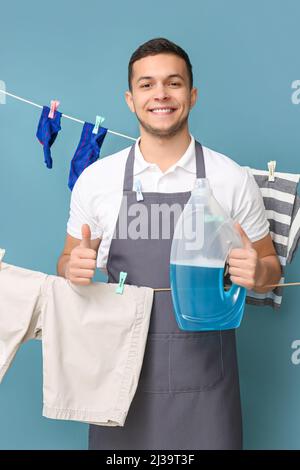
[(147, 85)]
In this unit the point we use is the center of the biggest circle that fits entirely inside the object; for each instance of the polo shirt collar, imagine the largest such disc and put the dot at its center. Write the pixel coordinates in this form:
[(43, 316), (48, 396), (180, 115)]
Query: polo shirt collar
[(187, 161)]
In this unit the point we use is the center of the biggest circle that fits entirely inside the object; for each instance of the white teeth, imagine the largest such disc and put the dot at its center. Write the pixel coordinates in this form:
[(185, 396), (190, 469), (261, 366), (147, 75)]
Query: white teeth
[(163, 110)]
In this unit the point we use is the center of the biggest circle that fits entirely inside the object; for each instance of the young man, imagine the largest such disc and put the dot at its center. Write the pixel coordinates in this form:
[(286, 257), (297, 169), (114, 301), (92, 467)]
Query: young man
[(188, 393)]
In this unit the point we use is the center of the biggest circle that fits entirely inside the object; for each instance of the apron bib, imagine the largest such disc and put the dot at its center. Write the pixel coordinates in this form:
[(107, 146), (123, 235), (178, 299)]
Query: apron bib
[(188, 392)]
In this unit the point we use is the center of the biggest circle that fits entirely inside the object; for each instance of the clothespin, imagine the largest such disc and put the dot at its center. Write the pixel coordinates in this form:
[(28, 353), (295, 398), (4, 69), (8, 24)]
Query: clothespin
[(271, 166), (138, 189), (2, 253), (122, 277), (53, 107), (3, 90), (99, 120)]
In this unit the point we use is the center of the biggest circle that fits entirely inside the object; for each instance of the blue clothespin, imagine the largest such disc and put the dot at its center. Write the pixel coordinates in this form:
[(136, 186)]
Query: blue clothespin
[(138, 189), (122, 277), (99, 120)]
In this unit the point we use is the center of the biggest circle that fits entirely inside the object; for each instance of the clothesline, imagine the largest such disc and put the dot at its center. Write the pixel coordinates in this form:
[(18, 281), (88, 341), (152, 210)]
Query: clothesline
[(268, 285), (63, 115)]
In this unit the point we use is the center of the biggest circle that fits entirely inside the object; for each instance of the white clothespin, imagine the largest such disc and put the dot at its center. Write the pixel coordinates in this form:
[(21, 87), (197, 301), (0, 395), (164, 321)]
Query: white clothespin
[(3, 94), (138, 189), (272, 166), (99, 120), (2, 253)]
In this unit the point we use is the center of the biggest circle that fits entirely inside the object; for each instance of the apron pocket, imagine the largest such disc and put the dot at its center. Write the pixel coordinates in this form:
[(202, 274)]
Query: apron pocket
[(195, 361), (154, 375)]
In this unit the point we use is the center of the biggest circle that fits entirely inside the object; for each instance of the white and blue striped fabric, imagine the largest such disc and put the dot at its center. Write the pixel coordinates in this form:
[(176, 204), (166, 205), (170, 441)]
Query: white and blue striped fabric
[(282, 205)]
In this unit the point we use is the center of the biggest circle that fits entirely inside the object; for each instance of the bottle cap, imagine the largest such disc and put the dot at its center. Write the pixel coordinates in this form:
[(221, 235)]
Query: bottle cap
[(202, 187)]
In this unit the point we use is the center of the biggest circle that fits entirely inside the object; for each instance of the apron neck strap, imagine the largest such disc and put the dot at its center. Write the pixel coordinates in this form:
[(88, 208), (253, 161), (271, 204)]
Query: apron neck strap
[(128, 175), (200, 166)]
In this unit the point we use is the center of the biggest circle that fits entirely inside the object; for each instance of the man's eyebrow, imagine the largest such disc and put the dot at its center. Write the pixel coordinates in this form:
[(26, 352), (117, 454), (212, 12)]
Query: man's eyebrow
[(173, 75)]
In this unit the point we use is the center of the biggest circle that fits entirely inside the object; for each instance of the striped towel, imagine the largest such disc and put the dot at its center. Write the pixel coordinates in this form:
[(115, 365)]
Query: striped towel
[(282, 205)]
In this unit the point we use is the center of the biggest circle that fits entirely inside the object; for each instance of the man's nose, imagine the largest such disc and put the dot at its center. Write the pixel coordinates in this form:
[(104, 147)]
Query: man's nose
[(162, 93)]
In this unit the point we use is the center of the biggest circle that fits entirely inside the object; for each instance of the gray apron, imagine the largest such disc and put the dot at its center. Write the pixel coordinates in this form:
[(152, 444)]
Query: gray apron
[(188, 393)]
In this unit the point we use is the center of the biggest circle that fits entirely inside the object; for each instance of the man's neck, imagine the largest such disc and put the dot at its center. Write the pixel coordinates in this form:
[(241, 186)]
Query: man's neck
[(164, 151)]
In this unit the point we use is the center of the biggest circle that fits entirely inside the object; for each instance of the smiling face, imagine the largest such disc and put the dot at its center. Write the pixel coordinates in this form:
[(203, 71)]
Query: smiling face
[(161, 96)]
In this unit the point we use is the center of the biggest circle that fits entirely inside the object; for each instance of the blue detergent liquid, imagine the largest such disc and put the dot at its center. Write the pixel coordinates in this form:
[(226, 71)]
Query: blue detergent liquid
[(200, 301)]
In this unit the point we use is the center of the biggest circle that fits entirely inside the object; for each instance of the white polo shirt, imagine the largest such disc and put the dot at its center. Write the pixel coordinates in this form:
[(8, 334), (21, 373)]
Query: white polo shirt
[(97, 194)]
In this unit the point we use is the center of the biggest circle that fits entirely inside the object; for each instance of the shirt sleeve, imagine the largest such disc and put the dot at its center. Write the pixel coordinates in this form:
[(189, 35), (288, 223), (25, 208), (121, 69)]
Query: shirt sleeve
[(81, 210), (294, 235), (249, 209)]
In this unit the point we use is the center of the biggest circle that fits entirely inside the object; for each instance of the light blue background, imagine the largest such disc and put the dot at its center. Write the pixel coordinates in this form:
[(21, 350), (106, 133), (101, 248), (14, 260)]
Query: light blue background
[(245, 56)]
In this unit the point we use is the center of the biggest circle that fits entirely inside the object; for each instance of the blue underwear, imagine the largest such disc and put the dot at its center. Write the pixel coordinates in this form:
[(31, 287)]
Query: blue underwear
[(87, 152), (47, 132)]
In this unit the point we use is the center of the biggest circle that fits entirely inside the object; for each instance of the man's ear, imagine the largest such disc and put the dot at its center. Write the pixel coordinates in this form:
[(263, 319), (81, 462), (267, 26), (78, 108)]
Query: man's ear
[(129, 101), (194, 97)]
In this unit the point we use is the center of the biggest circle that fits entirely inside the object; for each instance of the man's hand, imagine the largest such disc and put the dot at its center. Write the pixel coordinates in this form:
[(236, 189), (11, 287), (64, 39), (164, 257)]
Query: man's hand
[(82, 263), (243, 262)]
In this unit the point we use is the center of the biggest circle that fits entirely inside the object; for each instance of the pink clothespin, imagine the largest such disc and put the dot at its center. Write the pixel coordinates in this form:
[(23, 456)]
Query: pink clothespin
[(53, 107)]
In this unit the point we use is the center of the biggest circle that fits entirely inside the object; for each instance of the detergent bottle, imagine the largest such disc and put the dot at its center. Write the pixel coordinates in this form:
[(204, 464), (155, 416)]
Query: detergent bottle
[(203, 237)]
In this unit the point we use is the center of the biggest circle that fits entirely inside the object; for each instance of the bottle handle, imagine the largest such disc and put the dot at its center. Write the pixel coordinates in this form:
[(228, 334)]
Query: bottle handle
[(232, 291), (237, 243)]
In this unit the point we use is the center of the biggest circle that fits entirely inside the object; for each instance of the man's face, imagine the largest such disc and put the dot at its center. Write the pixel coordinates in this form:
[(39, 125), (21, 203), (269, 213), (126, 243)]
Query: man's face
[(161, 95)]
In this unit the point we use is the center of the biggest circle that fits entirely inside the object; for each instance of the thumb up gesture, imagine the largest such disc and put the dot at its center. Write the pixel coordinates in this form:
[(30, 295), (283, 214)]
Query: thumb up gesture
[(82, 262), (243, 262), (86, 236)]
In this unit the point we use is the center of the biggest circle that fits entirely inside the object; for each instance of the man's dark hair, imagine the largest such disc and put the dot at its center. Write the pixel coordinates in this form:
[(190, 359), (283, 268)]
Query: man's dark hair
[(159, 46)]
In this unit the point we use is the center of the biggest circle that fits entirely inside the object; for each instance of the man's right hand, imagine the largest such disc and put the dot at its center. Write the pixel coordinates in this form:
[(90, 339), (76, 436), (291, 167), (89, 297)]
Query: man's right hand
[(81, 266)]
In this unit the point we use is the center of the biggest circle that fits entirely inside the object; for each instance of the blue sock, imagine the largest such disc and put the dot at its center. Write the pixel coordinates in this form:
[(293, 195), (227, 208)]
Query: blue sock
[(47, 132), (87, 152)]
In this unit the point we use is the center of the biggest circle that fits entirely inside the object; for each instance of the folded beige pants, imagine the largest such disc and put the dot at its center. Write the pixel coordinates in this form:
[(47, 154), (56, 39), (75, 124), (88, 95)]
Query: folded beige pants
[(93, 341)]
